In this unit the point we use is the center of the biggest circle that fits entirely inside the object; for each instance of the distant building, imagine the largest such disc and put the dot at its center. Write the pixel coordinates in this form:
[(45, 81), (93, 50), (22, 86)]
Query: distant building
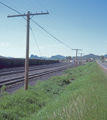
[(105, 59)]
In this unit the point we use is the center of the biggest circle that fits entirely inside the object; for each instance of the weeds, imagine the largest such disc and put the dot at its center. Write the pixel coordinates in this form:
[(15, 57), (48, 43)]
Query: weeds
[(58, 99), (84, 99), (3, 88)]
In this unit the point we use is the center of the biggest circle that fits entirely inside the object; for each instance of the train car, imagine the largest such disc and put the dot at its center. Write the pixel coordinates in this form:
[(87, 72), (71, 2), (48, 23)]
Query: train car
[(17, 62)]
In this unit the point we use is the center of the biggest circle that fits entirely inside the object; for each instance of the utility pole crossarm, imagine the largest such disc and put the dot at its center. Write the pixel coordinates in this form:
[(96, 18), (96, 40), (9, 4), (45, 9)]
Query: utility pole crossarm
[(20, 15), (76, 49), (81, 57), (76, 56)]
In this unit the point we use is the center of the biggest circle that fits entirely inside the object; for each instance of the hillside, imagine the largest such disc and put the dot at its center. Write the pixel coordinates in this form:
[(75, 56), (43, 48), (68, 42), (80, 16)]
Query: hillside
[(2, 57), (57, 57), (105, 55), (60, 57), (91, 56), (34, 56)]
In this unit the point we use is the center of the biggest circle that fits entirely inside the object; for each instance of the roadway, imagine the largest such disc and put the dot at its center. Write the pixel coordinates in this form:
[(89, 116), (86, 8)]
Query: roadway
[(103, 64)]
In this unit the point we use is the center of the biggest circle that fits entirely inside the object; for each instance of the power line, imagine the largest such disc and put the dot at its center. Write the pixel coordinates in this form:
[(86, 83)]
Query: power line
[(22, 4), (34, 5), (36, 42), (80, 57), (38, 25), (11, 8), (58, 24), (54, 25), (27, 43), (76, 56), (12, 4), (25, 19), (41, 4), (51, 34)]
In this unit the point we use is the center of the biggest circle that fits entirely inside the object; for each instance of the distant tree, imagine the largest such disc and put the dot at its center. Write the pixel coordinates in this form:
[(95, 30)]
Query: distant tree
[(43, 59), (33, 58), (63, 59), (102, 58), (57, 58), (68, 58)]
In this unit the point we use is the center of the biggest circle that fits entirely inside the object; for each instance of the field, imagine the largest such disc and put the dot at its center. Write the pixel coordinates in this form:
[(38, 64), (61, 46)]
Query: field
[(80, 94)]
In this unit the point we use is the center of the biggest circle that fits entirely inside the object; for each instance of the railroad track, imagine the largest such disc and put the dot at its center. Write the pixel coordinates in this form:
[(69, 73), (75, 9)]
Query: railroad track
[(20, 78), (9, 71)]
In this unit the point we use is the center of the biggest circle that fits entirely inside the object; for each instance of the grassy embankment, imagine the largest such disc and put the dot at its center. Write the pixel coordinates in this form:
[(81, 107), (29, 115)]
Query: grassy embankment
[(59, 99)]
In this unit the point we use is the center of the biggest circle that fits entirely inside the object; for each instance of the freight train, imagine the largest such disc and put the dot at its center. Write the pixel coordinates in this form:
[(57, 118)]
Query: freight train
[(16, 62)]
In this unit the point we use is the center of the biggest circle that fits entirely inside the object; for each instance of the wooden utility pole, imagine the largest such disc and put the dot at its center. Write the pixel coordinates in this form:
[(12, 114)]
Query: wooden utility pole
[(81, 57), (27, 43), (76, 56), (27, 53)]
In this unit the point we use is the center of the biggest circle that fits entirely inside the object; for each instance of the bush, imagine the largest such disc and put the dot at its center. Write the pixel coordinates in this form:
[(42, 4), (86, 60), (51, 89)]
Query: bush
[(3, 88)]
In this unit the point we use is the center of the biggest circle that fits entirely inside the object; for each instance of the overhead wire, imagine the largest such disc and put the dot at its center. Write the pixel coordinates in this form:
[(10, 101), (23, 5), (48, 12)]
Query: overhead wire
[(46, 23), (12, 9), (22, 4), (36, 41), (30, 27), (12, 4), (58, 24), (50, 34), (41, 4), (38, 25), (34, 5)]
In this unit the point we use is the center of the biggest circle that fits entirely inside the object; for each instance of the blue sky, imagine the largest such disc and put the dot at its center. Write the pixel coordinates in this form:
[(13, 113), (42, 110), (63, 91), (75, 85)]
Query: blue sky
[(80, 24)]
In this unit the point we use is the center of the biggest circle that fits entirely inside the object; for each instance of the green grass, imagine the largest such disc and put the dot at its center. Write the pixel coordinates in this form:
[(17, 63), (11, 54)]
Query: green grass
[(3, 88), (80, 94), (84, 99)]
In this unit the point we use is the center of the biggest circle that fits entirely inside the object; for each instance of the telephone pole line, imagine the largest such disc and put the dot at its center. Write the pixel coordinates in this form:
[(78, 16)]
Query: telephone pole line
[(76, 56), (27, 43), (81, 57)]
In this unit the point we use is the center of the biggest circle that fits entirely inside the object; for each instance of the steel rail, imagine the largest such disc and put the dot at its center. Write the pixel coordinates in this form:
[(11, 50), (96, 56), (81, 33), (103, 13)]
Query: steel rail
[(20, 79), (22, 67), (20, 71)]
